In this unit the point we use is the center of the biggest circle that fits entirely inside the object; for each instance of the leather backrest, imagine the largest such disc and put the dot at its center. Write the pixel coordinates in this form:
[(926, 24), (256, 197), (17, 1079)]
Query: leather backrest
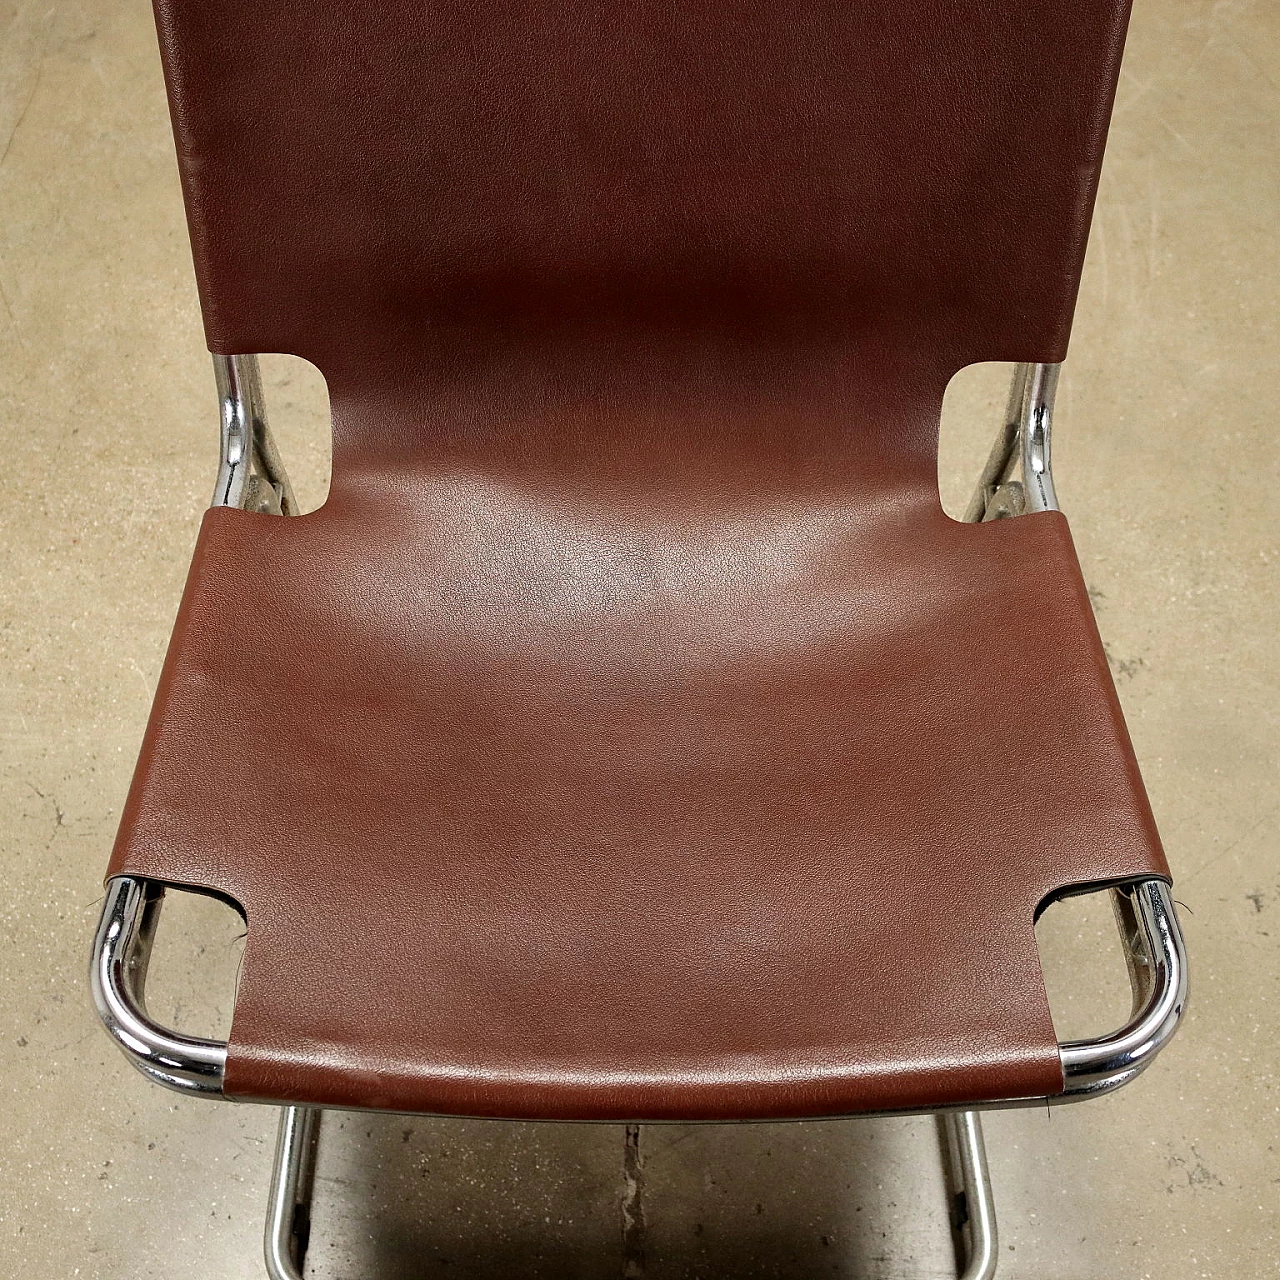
[(389, 189)]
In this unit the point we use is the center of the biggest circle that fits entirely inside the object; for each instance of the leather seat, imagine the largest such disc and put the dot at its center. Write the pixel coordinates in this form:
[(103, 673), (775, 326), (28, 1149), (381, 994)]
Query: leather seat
[(631, 735)]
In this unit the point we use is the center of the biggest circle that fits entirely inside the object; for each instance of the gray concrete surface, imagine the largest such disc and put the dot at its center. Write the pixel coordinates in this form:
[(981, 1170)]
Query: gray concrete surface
[(1167, 465)]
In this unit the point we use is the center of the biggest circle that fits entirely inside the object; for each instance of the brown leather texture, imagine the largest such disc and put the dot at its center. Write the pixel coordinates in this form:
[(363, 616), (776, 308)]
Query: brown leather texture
[(631, 735)]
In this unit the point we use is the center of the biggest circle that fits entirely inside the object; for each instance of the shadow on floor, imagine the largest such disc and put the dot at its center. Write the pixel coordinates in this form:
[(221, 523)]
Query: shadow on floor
[(409, 1198)]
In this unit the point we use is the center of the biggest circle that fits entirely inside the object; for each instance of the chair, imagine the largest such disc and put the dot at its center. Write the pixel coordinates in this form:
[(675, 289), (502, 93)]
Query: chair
[(630, 736)]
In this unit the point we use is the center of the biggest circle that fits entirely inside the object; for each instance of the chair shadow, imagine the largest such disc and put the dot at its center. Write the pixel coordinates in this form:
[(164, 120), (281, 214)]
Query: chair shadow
[(413, 1198)]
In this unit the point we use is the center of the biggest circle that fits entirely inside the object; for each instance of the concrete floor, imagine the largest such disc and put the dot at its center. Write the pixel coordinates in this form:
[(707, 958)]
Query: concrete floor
[(1167, 465)]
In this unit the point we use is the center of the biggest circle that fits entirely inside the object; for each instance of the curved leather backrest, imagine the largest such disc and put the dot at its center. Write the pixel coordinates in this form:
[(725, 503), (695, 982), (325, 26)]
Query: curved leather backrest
[(456, 187)]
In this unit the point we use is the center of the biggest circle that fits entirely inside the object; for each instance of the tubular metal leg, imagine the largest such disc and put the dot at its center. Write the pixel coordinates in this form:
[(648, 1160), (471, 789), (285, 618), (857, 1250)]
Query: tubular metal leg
[(974, 1209), (289, 1214)]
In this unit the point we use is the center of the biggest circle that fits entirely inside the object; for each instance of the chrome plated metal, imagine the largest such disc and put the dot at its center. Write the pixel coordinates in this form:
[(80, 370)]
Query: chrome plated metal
[(1018, 476), (974, 1208), (251, 474), (1158, 974), (118, 977), (292, 1177), (1038, 389)]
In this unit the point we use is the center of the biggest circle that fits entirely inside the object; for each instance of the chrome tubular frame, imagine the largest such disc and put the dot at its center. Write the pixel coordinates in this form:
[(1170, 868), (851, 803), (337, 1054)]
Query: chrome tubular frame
[(1157, 962), (1016, 479), (251, 474), (1021, 450), (974, 1208), (289, 1208), (117, 978)]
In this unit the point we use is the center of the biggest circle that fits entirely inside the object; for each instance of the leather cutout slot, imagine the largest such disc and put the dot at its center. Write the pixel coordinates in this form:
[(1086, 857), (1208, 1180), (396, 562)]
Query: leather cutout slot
[(971, 411), (297, 399), (1082, 958), (195, 964)]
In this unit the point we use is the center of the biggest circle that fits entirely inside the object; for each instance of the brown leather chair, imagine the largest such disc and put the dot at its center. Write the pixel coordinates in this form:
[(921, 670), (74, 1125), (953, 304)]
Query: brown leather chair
[(620, 739)]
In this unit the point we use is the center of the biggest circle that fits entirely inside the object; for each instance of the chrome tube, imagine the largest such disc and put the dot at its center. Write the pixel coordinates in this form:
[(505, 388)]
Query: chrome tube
[(976, 1223), (1018, 475), (1039, 387), (1149, 928), (289, 1210), (117, 977), (251, 474), (1158, 973)]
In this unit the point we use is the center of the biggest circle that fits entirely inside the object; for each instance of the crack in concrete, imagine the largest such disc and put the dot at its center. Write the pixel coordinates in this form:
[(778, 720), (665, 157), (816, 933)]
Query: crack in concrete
[(633, 1224)]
